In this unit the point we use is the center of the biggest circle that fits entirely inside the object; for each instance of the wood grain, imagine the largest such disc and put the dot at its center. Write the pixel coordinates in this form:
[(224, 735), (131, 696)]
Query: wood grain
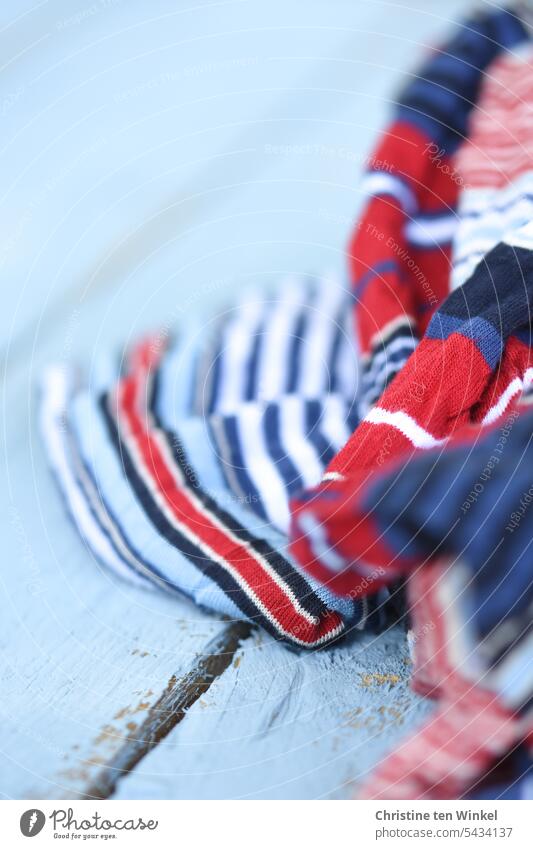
[(170, 709), (279, 725)]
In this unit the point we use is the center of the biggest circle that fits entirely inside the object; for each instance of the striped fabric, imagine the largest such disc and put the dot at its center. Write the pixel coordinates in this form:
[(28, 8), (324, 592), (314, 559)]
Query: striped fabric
[(461, 515), (293, 341), (473, 362), (265, 403), (277, 387), (435, 485), (143, 483), (474, 359)]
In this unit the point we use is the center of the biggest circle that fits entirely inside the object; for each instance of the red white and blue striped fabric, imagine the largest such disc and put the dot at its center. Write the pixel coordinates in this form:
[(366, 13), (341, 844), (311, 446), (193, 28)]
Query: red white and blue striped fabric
[(144, 486), (277, 387), (435, 482), (400, 250), (461, 514), (180, 472)]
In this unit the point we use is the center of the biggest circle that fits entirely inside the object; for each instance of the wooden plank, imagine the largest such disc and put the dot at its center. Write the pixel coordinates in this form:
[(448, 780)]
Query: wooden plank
[(170, 709)]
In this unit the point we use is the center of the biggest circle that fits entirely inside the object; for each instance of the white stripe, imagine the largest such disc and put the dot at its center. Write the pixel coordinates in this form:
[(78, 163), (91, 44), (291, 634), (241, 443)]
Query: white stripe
[(431, 231), (522, 238), (515, 386), (458, 651), (421, 438), (476, 236), (480, 199), (177, 377), (260, 467), (347, 364), (512, 677), (316, 535), (56, 389), (333, 421), (333, 476), (479, 237), (296, 441), (416, 434)]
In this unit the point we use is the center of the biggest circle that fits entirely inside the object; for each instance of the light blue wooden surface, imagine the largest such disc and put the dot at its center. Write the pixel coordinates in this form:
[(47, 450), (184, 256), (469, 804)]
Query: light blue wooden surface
[(155, 158)]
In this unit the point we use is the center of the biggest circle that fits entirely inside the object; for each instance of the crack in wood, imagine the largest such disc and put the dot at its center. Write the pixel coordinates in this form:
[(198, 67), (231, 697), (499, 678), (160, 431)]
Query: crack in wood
[(170, 709)]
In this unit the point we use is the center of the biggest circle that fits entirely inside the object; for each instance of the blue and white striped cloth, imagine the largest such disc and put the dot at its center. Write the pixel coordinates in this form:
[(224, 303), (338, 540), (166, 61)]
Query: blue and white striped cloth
[(277, 384)]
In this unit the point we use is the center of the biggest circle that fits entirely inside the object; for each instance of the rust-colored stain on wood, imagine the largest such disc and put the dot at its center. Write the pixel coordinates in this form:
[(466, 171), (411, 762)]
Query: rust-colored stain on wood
[(107, 734), (375, 719), (122, 713), (141, 706)]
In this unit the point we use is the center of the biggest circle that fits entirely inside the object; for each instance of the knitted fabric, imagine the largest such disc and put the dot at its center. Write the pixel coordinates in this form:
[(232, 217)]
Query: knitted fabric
[(461, 516), (180, 471), (435, 482), (474, 359), (277, 387), (143, 483), (399, 254), (475, 355)]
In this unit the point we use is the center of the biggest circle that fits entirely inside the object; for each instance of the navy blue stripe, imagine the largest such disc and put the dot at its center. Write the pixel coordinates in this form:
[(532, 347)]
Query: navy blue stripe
[(286, 468), (232, 441), (252, 369), (335, 351), (295, 352), (214, 371), (384, 267)]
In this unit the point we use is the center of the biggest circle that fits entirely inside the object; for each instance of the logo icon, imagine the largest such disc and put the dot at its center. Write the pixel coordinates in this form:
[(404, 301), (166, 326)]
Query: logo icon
[(32, 822)]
